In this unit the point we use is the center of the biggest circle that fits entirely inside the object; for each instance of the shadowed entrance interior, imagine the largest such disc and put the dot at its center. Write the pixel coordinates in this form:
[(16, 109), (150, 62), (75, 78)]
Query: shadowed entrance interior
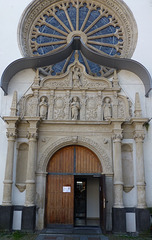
[(73, 188)]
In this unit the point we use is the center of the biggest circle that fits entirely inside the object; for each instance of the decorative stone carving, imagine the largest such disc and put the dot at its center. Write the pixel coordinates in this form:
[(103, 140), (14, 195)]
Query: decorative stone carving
[(91, 108), (14, 105), (31, 106), (121, 109), (76, 77), (75, 108), (121, 20), (59, 107), (107, 109), (98, 149), (137, 111), (43, 108)]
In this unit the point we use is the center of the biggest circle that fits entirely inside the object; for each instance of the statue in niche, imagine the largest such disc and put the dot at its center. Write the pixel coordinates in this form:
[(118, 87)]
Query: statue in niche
[(43, 108), (107, 109), (76, 77), (75, 108)]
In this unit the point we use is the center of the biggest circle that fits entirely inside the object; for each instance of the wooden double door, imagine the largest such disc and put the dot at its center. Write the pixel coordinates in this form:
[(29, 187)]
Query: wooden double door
[(70, 171)]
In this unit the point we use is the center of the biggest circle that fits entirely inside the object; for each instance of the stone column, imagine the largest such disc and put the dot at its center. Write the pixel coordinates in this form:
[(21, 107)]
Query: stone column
[(118, 213), (139, 138), (6, 209), (40, 198), (8, 180), (118, 179), (142, 213), (31, 165)]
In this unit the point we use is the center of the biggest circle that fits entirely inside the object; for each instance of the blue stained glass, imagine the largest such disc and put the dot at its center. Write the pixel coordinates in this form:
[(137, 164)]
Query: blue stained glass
[(45, 29), (47, 49), (100, 23), (95, 68), (82, 14), (72, 14), (61, 15), (92, 17), (57, 68), (54, 22), (43, 39), (83, 10)]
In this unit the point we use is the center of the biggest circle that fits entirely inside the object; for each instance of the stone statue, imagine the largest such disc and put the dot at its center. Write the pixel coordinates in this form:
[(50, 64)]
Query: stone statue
[(107, 109), (43, 108), (77, 77), (75, 108)]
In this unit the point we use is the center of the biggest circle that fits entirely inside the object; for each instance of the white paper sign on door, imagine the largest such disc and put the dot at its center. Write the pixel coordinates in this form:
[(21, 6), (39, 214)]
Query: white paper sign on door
[(66, 189)]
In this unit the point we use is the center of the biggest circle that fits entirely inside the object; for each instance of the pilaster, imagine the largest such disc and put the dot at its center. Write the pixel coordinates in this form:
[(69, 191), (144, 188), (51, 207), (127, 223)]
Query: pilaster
[(118, 179), (8, 180), (139, 139), (31, 165)]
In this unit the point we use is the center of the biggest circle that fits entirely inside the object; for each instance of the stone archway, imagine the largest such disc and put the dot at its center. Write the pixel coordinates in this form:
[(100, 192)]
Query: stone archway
[(67, 166), (97, 149)]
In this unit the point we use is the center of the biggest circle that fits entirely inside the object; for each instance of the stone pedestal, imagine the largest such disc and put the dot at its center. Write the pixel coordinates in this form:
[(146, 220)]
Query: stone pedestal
[(28, 218), (118, 220), (142, 220), (6, 218)]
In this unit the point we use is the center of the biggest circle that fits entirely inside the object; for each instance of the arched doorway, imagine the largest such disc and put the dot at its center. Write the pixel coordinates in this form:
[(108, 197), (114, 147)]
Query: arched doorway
[(73, 189)]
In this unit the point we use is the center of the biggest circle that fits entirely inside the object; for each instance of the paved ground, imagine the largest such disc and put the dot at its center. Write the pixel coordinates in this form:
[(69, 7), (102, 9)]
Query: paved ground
[(71, 237), (35, 236)]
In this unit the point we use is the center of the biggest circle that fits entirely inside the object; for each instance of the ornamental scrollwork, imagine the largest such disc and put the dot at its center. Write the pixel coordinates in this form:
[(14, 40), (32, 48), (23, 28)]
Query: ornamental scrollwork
[(117, 137), (31, 135), (11, 134), (139, 136)]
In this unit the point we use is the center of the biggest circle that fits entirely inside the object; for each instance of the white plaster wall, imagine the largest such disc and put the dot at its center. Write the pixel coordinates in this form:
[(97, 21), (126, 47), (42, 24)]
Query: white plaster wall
[(9, 51)]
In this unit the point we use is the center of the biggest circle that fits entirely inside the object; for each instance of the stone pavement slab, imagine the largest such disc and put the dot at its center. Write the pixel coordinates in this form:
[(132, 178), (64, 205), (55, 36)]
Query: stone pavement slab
[(70, 237)]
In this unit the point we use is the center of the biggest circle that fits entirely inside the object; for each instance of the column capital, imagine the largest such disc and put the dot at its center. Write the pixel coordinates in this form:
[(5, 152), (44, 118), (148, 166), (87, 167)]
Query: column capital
[(117, 137), (33, 128), (139, 136), (12, 127)]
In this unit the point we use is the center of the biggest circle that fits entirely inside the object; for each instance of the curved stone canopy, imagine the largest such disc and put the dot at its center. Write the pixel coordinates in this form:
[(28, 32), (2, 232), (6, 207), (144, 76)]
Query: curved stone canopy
[(77, 44)]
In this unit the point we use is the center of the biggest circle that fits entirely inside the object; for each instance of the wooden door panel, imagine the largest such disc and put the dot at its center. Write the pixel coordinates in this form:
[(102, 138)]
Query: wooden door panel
[(61, 170), (87, 161), (60, 205), (62, 161)]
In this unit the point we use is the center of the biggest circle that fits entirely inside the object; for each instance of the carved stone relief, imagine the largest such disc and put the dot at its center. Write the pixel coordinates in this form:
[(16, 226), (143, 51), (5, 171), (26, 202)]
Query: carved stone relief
[(107, 109), (75, 108), (43, 107), (91, 108), (59, 108)]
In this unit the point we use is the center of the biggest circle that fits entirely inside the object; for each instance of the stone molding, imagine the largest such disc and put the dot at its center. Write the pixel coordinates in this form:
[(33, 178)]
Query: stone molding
[(87, 142)]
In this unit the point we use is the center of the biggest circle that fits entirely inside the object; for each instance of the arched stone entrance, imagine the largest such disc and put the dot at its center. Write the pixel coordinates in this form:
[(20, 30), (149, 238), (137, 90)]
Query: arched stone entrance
[(73, 188)]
